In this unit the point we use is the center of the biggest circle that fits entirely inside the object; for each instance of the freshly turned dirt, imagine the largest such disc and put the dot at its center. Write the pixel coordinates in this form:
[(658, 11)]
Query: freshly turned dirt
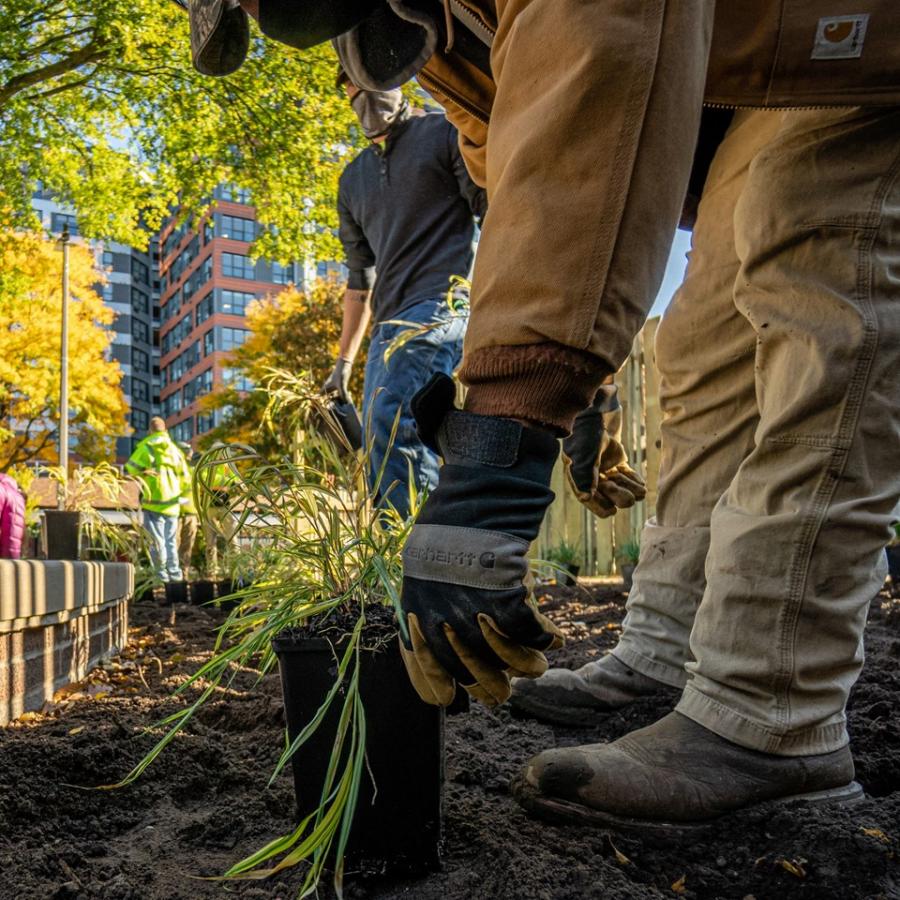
[(203, 805)]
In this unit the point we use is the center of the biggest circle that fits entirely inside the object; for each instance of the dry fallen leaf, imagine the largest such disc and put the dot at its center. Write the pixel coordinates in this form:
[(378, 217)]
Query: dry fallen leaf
[(621, 858), (74, 731), (793, 866), (876, 833), (678, 886)]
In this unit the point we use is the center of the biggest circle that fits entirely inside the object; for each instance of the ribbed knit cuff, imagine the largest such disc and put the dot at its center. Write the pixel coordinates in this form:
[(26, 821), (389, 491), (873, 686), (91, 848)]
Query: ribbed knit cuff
[(547, 384)]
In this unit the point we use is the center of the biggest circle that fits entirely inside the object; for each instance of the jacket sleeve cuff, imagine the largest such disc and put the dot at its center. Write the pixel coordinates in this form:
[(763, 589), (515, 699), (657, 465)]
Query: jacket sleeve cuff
[(547, 384)]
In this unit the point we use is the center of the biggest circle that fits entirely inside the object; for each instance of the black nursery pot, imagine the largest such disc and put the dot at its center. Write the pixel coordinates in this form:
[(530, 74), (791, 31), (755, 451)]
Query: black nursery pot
[(397, 833), (571, 574), (224, 590), (202, 592), (61, 533), (176, 592)]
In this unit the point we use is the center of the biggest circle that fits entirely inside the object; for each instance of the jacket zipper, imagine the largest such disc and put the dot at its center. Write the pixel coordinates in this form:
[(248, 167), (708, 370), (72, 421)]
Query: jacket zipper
[(433, 84), (772, 108), (473, 22)]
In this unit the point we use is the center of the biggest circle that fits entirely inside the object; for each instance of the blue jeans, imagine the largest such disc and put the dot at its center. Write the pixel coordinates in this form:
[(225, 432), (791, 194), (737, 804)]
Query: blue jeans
[(163, 532), (390, 385)]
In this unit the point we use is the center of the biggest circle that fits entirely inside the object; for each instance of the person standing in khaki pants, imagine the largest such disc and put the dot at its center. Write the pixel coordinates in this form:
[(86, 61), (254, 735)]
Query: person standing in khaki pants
[(778, 360), (780, 354)]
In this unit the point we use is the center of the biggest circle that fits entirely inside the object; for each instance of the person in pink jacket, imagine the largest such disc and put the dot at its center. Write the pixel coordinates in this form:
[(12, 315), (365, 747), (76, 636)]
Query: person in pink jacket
[(12, 518)]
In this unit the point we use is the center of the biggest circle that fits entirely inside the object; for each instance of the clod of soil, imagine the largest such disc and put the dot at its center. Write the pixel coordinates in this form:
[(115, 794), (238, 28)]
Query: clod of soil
[(204, 804)]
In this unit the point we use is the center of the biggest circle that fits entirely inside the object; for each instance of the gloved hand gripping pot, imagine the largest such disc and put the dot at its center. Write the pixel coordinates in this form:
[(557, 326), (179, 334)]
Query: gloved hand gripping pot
[(596, 465), (468, 617)]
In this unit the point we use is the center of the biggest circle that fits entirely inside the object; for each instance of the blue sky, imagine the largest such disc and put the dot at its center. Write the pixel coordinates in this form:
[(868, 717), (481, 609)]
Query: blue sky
[(674, 272)]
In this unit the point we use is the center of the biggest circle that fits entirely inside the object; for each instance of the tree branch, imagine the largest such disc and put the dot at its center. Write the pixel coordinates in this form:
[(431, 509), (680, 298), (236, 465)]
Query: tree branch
[(90, 52)]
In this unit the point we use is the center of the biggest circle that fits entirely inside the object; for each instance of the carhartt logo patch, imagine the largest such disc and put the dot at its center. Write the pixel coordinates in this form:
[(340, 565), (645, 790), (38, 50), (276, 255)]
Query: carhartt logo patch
[(840, 37)]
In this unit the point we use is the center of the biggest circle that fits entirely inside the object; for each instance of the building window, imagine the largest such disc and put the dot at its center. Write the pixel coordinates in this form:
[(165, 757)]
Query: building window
[(140, 420), (140, 390), (282, 274), (236, 228), (233, 378), (233, 337), (235, 303), (236, 265), (205, 308), (140, 302), (106, 292), (201, 275), (173, 240), (183, 431), (140, 361), (198, 386), (140, 272), (209, 342), (205, 422), (59, 220), (234, 193), (108, 258), (171, 404), (140, 331), (172, 307)]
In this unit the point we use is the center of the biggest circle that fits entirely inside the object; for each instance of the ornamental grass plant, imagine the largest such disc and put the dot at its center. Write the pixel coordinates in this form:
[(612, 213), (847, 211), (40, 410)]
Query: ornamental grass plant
[(316, 555)]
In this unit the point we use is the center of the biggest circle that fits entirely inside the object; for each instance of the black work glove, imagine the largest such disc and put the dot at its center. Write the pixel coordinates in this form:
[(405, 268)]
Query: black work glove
[(596, 465), (468, 617), (338, 382)]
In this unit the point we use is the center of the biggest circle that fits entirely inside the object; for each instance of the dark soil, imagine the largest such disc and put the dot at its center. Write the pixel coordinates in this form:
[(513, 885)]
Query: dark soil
[(203, 805)]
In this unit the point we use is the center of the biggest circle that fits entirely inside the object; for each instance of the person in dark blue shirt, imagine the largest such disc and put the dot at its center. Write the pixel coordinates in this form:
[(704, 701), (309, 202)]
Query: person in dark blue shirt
[(408, 211)]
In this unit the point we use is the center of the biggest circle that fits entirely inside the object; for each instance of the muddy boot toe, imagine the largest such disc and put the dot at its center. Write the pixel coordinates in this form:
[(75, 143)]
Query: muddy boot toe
[(568, 697), (673, 775)]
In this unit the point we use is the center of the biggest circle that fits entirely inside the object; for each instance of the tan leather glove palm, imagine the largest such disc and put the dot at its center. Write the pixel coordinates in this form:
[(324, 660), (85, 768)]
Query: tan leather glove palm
[(596, 465)]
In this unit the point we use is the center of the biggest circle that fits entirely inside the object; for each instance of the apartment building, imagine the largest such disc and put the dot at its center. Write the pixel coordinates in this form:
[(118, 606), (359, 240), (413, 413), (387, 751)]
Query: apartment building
[(132, 292), (208, 280)]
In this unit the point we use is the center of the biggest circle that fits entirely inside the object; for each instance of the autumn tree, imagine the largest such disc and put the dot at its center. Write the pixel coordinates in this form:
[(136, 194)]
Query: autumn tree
[(294, 330), (100, 105), (30, 335)]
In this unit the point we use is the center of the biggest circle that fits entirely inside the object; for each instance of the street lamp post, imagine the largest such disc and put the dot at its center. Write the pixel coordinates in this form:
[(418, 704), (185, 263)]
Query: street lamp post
[(64, 372)]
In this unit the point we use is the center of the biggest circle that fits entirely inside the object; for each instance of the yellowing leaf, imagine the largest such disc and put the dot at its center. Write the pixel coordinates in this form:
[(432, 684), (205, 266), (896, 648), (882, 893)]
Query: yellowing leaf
[(678, 886), (74, 731), (876, 833), (793, 866)]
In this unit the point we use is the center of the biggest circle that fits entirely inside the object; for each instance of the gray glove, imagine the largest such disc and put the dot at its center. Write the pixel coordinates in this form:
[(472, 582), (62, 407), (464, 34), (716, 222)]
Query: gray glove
[(338, 381)]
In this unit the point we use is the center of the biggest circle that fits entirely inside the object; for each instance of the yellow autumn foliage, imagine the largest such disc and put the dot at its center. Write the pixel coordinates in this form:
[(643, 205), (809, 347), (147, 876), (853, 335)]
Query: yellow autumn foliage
[(30, 337)]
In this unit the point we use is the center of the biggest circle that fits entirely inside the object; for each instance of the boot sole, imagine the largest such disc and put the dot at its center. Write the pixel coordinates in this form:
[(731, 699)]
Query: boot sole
[(569, 813)]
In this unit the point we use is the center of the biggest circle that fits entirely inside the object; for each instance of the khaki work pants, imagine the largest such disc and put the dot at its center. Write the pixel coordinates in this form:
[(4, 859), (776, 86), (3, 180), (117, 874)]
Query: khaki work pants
[(780, 386), (187, 535)]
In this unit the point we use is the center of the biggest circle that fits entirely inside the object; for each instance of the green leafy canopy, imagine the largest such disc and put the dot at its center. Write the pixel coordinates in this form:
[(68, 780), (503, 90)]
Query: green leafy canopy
[(99, 104)]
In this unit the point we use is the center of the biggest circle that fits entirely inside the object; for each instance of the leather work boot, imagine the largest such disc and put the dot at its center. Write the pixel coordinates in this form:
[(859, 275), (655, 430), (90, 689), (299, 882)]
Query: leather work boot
[(674, 776), (567, 697)]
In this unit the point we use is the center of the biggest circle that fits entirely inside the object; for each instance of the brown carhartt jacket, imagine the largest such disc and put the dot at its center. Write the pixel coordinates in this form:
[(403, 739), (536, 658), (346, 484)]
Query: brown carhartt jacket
[(764, 53), (593, 111)]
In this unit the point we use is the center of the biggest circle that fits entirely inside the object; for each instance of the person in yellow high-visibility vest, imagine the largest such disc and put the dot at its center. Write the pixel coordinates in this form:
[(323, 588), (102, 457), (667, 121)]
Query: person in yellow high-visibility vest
[(161, 469)]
